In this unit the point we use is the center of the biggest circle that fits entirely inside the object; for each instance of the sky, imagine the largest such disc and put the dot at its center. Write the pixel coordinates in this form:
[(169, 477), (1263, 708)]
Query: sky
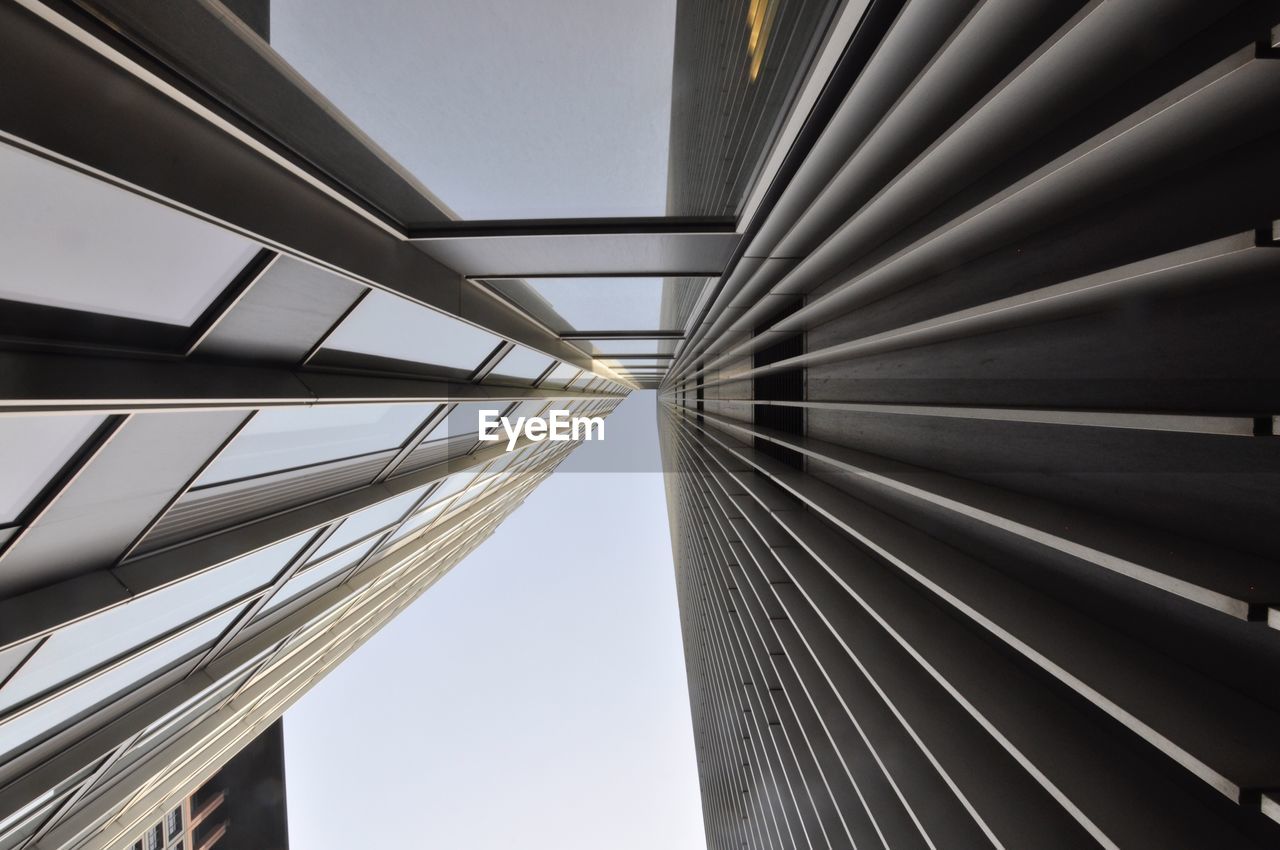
[(533, 699), (501, 108)]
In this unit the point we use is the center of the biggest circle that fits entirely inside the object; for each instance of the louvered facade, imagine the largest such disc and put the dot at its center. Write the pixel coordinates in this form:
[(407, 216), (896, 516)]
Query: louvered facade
[(972, 462)]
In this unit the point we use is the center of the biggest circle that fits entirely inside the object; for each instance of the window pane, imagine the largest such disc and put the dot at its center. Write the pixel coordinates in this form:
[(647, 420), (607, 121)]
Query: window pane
[(17, 829), (14, 656), (28, 726), (419, 521), (436, 503), (367, 521), (523, 363), (288, 437), (561, 375), (69, 240), (453, 484), (304, 581), (464, 419), (532, 407), (32, 450), (385, 325), (182, 714), (81, 646)]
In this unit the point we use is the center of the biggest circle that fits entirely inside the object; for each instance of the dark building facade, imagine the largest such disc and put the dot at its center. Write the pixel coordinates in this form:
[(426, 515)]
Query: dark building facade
[(241, 807), (972, 457)]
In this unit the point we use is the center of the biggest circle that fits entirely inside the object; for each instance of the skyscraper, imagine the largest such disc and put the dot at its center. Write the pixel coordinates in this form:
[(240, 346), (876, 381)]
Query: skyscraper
[(961, 312), (972, 456), (241, 806)]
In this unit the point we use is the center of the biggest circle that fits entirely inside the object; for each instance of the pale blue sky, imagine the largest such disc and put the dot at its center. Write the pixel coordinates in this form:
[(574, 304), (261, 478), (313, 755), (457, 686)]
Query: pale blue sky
[(501, 108), (534, 699)]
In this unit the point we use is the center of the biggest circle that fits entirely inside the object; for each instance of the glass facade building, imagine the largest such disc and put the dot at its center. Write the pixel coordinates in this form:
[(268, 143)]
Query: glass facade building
[(962, 316)]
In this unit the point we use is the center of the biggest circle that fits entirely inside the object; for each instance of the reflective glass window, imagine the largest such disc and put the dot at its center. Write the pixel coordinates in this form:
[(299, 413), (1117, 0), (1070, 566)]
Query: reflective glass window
[(73, 241), (464, 418), (29, 726), (304, 581), (14, 656), (532, 407), (385, 325), (436, 503), (523, 363), (278, 438), (419, 521), (367, 521), (33, 449), (83, 645), (561, 375), (453, 484)]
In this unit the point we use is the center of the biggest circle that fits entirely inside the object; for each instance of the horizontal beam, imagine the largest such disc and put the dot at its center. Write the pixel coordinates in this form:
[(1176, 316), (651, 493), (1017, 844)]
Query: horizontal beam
[(41, 382), (637, 357), (623, 335), (608, 226), (603, 248)]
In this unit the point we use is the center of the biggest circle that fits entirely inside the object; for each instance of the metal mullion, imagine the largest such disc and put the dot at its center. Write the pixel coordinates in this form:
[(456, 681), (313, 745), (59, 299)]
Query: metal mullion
[(1083, 538), (38, 642), (1220, 424), (1076, 665), (491, 362), (416, 439), (763, 787), (337, 322), (184, 489), (716, 747), (914, 829), (62, 480), (225, 302), (80, 791), (842, 56), (291, 567)]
